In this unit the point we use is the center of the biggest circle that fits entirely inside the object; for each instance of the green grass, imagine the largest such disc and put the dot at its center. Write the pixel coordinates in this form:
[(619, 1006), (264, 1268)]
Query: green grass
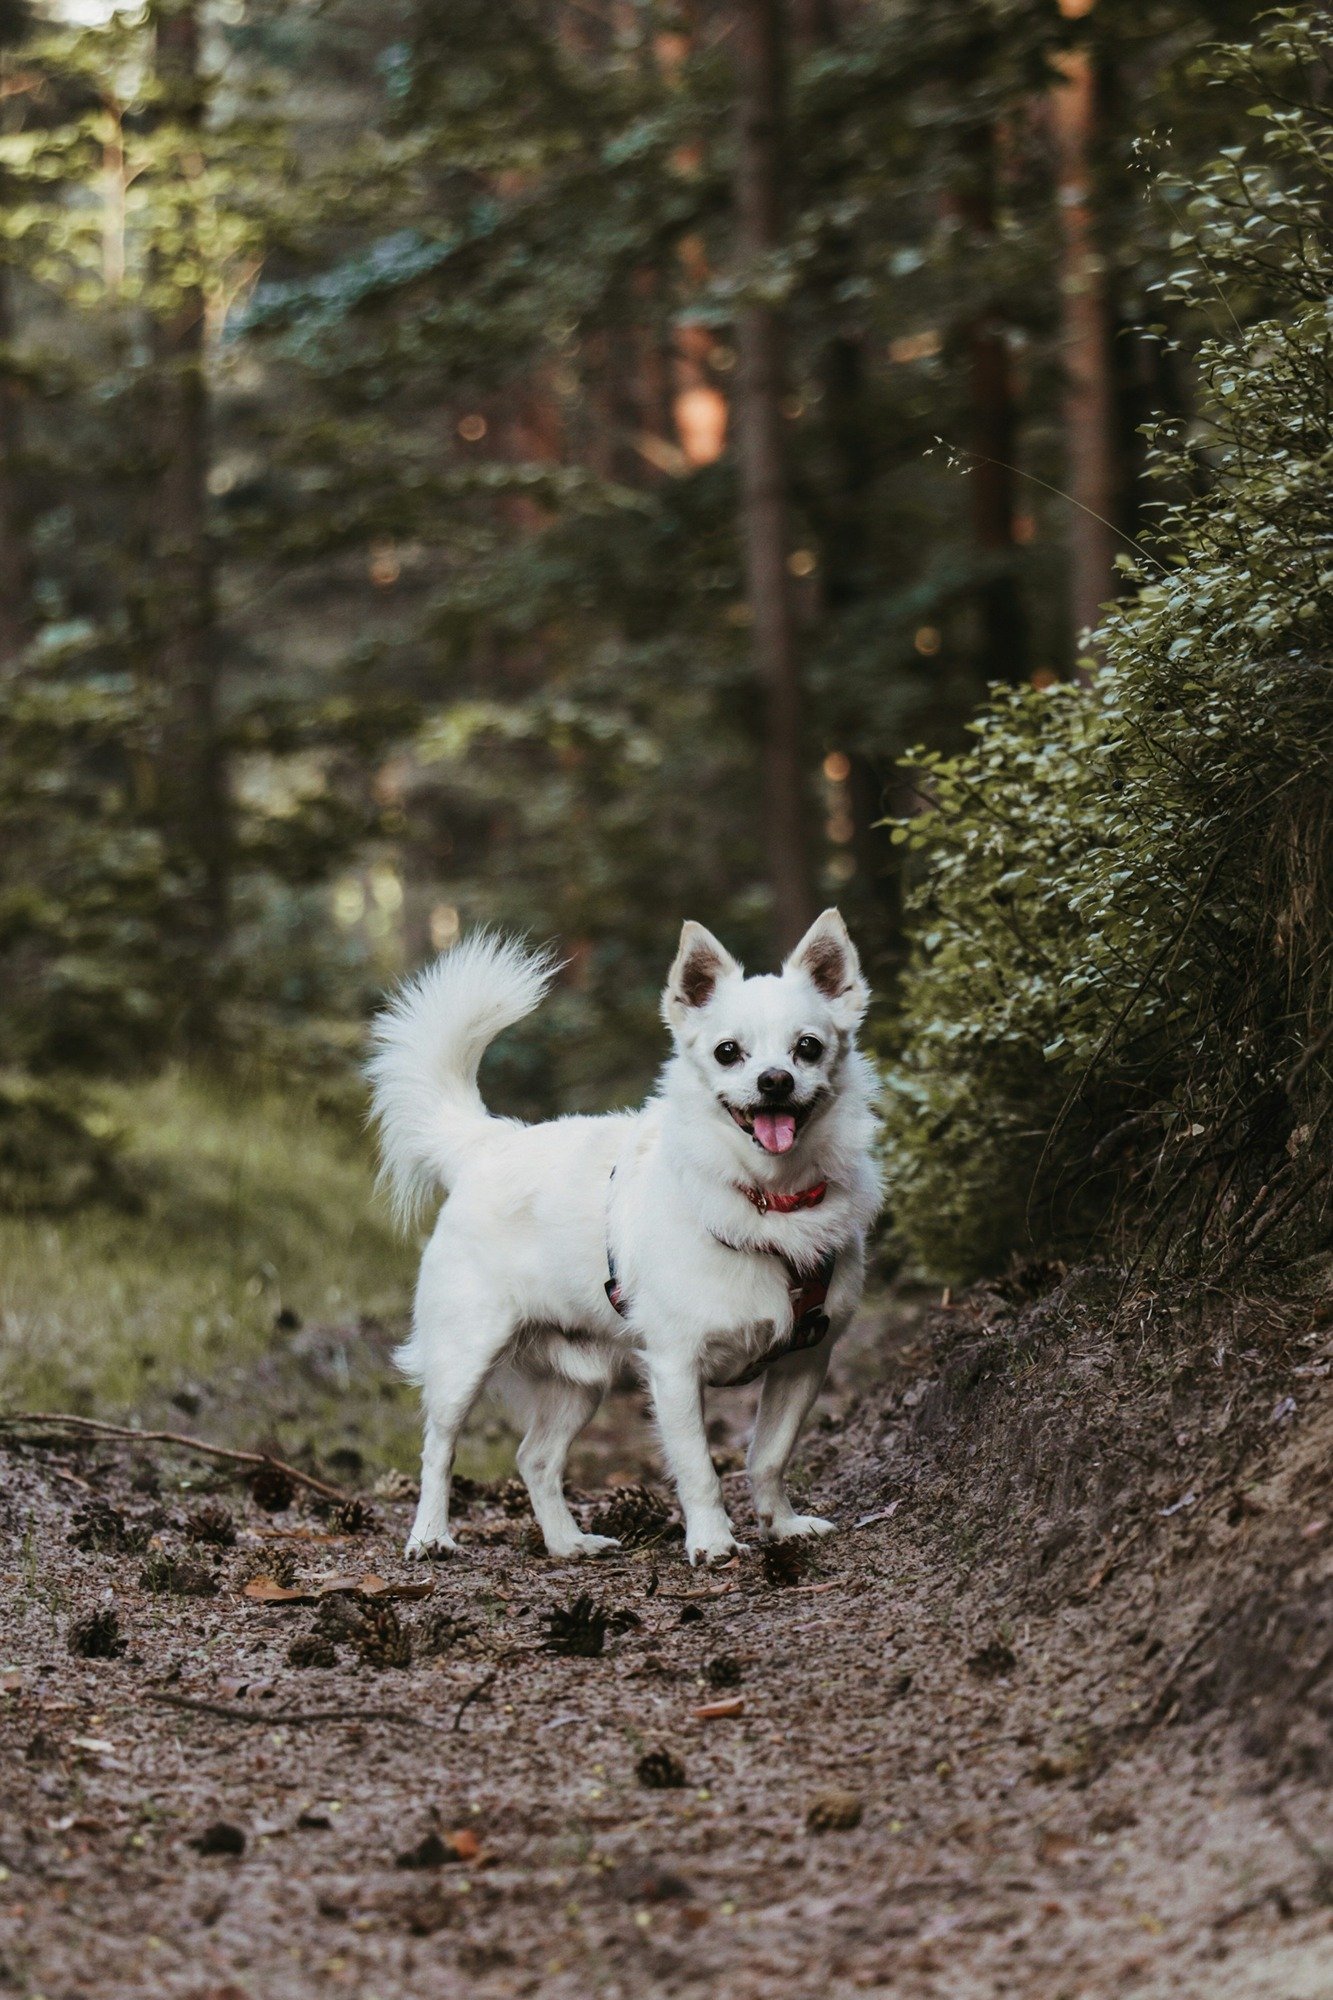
[(250, 1202)]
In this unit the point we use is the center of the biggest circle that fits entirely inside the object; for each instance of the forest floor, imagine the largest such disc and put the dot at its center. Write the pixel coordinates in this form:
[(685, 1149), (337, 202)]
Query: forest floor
[(1067, 1669)]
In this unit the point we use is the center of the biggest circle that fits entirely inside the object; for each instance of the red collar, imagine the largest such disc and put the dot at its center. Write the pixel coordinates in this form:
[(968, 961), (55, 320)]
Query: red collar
[(783, 1204)]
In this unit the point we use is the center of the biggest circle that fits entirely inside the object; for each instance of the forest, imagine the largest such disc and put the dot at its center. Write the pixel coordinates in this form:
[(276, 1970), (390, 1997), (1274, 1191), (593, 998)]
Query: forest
[(569, 467)]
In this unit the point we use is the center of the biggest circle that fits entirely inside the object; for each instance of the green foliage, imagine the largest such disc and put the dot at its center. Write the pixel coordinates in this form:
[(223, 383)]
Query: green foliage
[(472, 636), (1117, 1012)]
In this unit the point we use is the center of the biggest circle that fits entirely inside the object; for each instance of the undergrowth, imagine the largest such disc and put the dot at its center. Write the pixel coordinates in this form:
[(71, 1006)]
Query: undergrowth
[(246, 1229), (1117, 1028)]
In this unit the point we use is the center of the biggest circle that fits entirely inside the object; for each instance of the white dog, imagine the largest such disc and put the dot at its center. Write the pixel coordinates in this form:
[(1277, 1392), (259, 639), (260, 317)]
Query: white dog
[(716, 1234)]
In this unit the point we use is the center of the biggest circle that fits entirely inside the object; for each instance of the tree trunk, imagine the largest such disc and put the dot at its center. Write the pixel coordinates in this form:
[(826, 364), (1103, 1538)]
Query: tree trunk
[(1004, 631), (192, 784), (13, 542), (758, 41), (1089, 411)]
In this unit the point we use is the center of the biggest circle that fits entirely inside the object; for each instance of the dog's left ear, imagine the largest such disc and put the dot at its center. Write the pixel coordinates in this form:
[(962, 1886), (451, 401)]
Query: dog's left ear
[(700, 964), (827, 957)]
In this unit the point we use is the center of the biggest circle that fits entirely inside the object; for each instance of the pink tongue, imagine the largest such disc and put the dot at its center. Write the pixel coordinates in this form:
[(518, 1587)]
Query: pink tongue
[(775, 1130)]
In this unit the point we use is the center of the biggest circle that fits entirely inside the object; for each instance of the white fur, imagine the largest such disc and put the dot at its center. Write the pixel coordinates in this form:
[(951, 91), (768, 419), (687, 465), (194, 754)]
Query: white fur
[(512, 1280)]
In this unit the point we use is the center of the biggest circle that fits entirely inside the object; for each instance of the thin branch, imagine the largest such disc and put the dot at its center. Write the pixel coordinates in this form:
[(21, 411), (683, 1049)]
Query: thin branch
[(488, 1681), (94, 1427), (232, 1712)]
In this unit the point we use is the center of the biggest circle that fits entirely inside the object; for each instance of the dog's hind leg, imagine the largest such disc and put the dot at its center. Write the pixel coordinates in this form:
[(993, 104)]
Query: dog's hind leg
[(557, 1413), (452, 1377), (786, 1400)]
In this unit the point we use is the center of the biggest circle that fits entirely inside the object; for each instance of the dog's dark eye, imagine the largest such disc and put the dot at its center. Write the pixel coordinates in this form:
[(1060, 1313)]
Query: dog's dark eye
[(728, 1054), (808, 1049)]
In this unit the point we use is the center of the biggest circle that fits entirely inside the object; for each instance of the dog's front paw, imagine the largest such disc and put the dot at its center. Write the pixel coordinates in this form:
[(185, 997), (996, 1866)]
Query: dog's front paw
[(715, 1545), (569, 1547), (430, 1548), (799, 1524)]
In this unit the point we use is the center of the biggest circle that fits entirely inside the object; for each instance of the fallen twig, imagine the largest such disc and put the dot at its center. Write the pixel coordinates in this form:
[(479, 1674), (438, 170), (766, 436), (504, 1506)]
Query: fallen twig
[(93, 1426), (231, 1712), (1204, 1633), (1320, 1859), (488, 1681), (474, 1694)]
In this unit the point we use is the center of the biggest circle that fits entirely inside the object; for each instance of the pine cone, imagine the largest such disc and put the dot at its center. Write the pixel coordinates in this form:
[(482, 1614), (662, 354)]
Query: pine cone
[(724, 1672), (578, 1631), (381, 1639), (97, 1637), (312, 1650), (439, 1632), (272, 1488), (165, 1576), (463, 1493), (635, 1515), (660, 1771), (338, 1618), (511, 1496), (102, 1528), (212, 1523), (395, 1485), (785, 1563), (353, 1517), (278, 1563)]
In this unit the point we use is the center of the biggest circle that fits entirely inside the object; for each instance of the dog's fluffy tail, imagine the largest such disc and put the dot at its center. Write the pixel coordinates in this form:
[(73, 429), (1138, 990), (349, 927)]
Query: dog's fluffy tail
[(425, 1050)]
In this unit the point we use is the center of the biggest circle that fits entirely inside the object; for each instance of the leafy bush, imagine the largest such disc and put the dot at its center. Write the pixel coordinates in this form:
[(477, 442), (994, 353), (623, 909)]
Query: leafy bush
[(1118, 1012)]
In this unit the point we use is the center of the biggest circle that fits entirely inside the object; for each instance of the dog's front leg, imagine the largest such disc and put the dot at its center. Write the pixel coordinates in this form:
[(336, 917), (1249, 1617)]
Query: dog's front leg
[(788, 1395), (678, 1402)]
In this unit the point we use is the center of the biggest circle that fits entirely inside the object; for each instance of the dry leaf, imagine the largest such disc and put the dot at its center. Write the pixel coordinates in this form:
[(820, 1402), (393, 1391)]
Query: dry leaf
[(370, 1585), (719, 1711), (267, 1590)]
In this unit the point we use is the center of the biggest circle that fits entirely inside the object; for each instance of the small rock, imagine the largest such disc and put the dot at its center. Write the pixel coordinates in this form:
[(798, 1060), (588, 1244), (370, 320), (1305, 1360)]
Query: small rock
[(834, 1812), (992, 1660), (433, 1850), (647, 1882), (219, 1838), (1050, 1770)]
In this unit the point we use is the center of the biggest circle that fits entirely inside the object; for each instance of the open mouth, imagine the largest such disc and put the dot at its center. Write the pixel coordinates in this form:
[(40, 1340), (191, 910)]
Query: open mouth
[(774, 1130)]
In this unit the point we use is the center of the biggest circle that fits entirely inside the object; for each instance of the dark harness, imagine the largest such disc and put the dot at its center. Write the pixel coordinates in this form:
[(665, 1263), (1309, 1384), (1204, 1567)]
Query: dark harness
[(807, 1290)]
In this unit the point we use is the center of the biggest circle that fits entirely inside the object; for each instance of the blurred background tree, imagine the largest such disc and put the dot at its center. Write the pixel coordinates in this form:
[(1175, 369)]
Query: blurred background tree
[(541, 464)]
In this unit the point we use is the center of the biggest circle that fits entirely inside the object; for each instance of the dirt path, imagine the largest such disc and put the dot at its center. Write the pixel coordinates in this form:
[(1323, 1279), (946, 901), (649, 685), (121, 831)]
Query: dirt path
[(1040, 1811)]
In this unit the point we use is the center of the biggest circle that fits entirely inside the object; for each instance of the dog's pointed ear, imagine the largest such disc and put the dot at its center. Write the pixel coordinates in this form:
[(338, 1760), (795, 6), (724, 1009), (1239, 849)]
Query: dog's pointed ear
[(827, 957), (702, 962)]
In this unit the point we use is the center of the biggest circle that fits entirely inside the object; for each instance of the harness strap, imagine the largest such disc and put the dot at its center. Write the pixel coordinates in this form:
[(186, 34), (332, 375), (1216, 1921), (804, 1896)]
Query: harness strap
[(807, 1290)]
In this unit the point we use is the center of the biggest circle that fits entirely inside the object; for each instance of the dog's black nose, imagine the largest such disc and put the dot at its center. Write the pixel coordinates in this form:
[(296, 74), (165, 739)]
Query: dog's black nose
[(776, 1083)]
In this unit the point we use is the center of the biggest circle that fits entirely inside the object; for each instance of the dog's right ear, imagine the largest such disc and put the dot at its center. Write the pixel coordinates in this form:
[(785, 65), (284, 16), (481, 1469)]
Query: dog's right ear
[(701, 964)]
